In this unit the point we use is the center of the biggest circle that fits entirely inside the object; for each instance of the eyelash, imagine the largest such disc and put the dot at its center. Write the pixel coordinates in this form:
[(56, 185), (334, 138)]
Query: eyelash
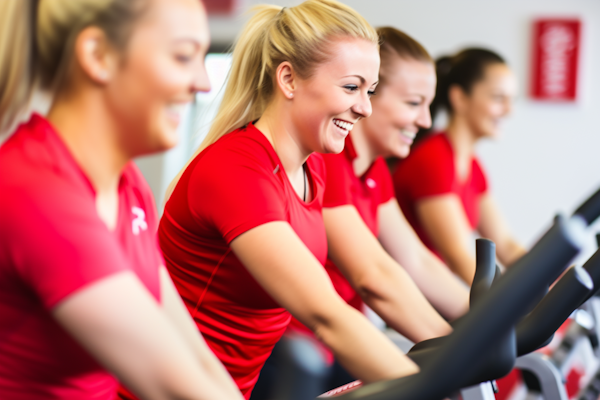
[(353, 88), (183, 59)]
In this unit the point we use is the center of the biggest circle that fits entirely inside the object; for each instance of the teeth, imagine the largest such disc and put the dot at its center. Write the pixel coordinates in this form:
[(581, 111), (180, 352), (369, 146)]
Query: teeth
[(177, 108), (343, 124), (408, 134)]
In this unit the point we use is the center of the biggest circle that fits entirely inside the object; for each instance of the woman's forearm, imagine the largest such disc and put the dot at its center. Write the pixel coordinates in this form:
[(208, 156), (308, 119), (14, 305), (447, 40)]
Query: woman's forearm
[(362, 349), (462, 264), (176, 311), (510, 251), (395, 297), (447, 293)]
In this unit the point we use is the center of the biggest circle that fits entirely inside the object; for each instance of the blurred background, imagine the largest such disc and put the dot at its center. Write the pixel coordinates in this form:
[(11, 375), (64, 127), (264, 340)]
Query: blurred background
[(548, 156)]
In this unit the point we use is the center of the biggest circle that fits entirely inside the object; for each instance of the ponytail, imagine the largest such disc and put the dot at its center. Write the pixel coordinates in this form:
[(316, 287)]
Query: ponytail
[(443, 65), (248, 88), (273, 35), (17, 59), (36, 44), (464, 70)]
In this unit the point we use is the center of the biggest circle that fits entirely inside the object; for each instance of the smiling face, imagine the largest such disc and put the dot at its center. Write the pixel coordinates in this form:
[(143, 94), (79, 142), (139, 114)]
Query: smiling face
[(401, 107), (489, 102), (328, 104), (159, 72)]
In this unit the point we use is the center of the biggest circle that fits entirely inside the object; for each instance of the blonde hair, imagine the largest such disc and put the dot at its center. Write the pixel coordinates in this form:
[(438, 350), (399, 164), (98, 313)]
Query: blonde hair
[(36, 41), (299, 35)]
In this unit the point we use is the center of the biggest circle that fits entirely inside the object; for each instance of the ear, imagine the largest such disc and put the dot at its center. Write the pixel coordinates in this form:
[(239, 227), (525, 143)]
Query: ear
[(458, 99), (286, 79), (95, 56)]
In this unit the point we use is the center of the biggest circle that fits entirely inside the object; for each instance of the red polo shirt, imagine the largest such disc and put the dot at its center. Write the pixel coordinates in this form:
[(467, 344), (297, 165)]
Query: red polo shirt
[(234, 185), (53, 244), (429, 171)]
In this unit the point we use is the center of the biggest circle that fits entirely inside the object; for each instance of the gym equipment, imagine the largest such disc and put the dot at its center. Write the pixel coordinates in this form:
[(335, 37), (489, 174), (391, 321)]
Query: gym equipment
[(491, 319)]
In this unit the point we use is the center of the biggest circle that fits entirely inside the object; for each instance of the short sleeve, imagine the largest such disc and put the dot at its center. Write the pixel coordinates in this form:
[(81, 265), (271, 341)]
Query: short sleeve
[(236, 188), (338, 183), (430, 172), (55, 242), (382, 174), (479, 178)]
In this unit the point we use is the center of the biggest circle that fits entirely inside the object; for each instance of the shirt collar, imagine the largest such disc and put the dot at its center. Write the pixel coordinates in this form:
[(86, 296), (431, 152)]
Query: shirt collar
[(349, 150)]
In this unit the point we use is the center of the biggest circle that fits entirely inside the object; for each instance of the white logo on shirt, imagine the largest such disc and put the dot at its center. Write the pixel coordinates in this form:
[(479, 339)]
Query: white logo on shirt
[(139, 223), (371, 183)]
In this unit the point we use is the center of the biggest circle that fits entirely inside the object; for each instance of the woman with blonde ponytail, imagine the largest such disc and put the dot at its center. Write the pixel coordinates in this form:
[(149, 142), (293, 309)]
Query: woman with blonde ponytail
[(243, 232), (85, 298), (367, 234)]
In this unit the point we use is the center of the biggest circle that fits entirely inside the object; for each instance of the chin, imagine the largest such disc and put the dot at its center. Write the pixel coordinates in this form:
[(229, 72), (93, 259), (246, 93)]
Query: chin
[(490, 134), (401, 152), (334, 147), (167, 137)]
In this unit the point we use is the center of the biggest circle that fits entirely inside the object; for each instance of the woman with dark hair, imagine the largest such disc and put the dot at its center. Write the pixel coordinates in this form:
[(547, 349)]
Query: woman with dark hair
[(442, 187)]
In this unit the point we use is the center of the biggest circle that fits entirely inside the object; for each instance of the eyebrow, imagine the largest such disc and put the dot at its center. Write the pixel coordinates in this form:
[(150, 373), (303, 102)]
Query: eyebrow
[(362, 80), (194, 41)]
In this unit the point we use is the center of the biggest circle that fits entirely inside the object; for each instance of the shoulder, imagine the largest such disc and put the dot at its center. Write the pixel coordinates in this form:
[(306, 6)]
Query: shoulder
[(35, 146), (428, 170), (244, 145), (432, 157), (245, 151), (37, 169), (434, 149)]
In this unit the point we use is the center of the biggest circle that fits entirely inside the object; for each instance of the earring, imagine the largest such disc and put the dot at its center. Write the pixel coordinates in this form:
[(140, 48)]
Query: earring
[(290, 95)]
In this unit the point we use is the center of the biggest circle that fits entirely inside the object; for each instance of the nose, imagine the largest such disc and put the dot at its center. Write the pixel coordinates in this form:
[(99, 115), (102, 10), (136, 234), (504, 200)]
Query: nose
[(200, 81), (424, 118), (363, 106)]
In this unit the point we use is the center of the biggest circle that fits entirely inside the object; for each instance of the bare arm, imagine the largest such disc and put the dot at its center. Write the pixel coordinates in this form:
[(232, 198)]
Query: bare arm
[(448, 295), (180, 317), (447, 226), (493, 227), (120, 324), (289, 272), (382, 283)]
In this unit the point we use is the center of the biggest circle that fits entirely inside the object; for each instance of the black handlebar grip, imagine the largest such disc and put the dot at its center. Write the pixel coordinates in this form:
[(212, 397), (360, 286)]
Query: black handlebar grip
[(592, 266), (485, 269), (590, 209), (534, 330)]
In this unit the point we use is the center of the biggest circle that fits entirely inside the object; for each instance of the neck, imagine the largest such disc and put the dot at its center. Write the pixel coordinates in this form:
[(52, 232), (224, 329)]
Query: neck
[(284, 138), (365, 154), (463, 142), (462, 138), (90, 134)]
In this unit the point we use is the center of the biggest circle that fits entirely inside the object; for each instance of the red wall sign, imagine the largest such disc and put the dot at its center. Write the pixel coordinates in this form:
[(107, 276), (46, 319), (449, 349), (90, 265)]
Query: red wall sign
[(556, 48), (220, 7)]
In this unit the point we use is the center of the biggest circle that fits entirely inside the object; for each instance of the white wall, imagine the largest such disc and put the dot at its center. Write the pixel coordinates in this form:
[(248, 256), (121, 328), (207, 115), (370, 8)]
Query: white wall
[(548, 158)]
